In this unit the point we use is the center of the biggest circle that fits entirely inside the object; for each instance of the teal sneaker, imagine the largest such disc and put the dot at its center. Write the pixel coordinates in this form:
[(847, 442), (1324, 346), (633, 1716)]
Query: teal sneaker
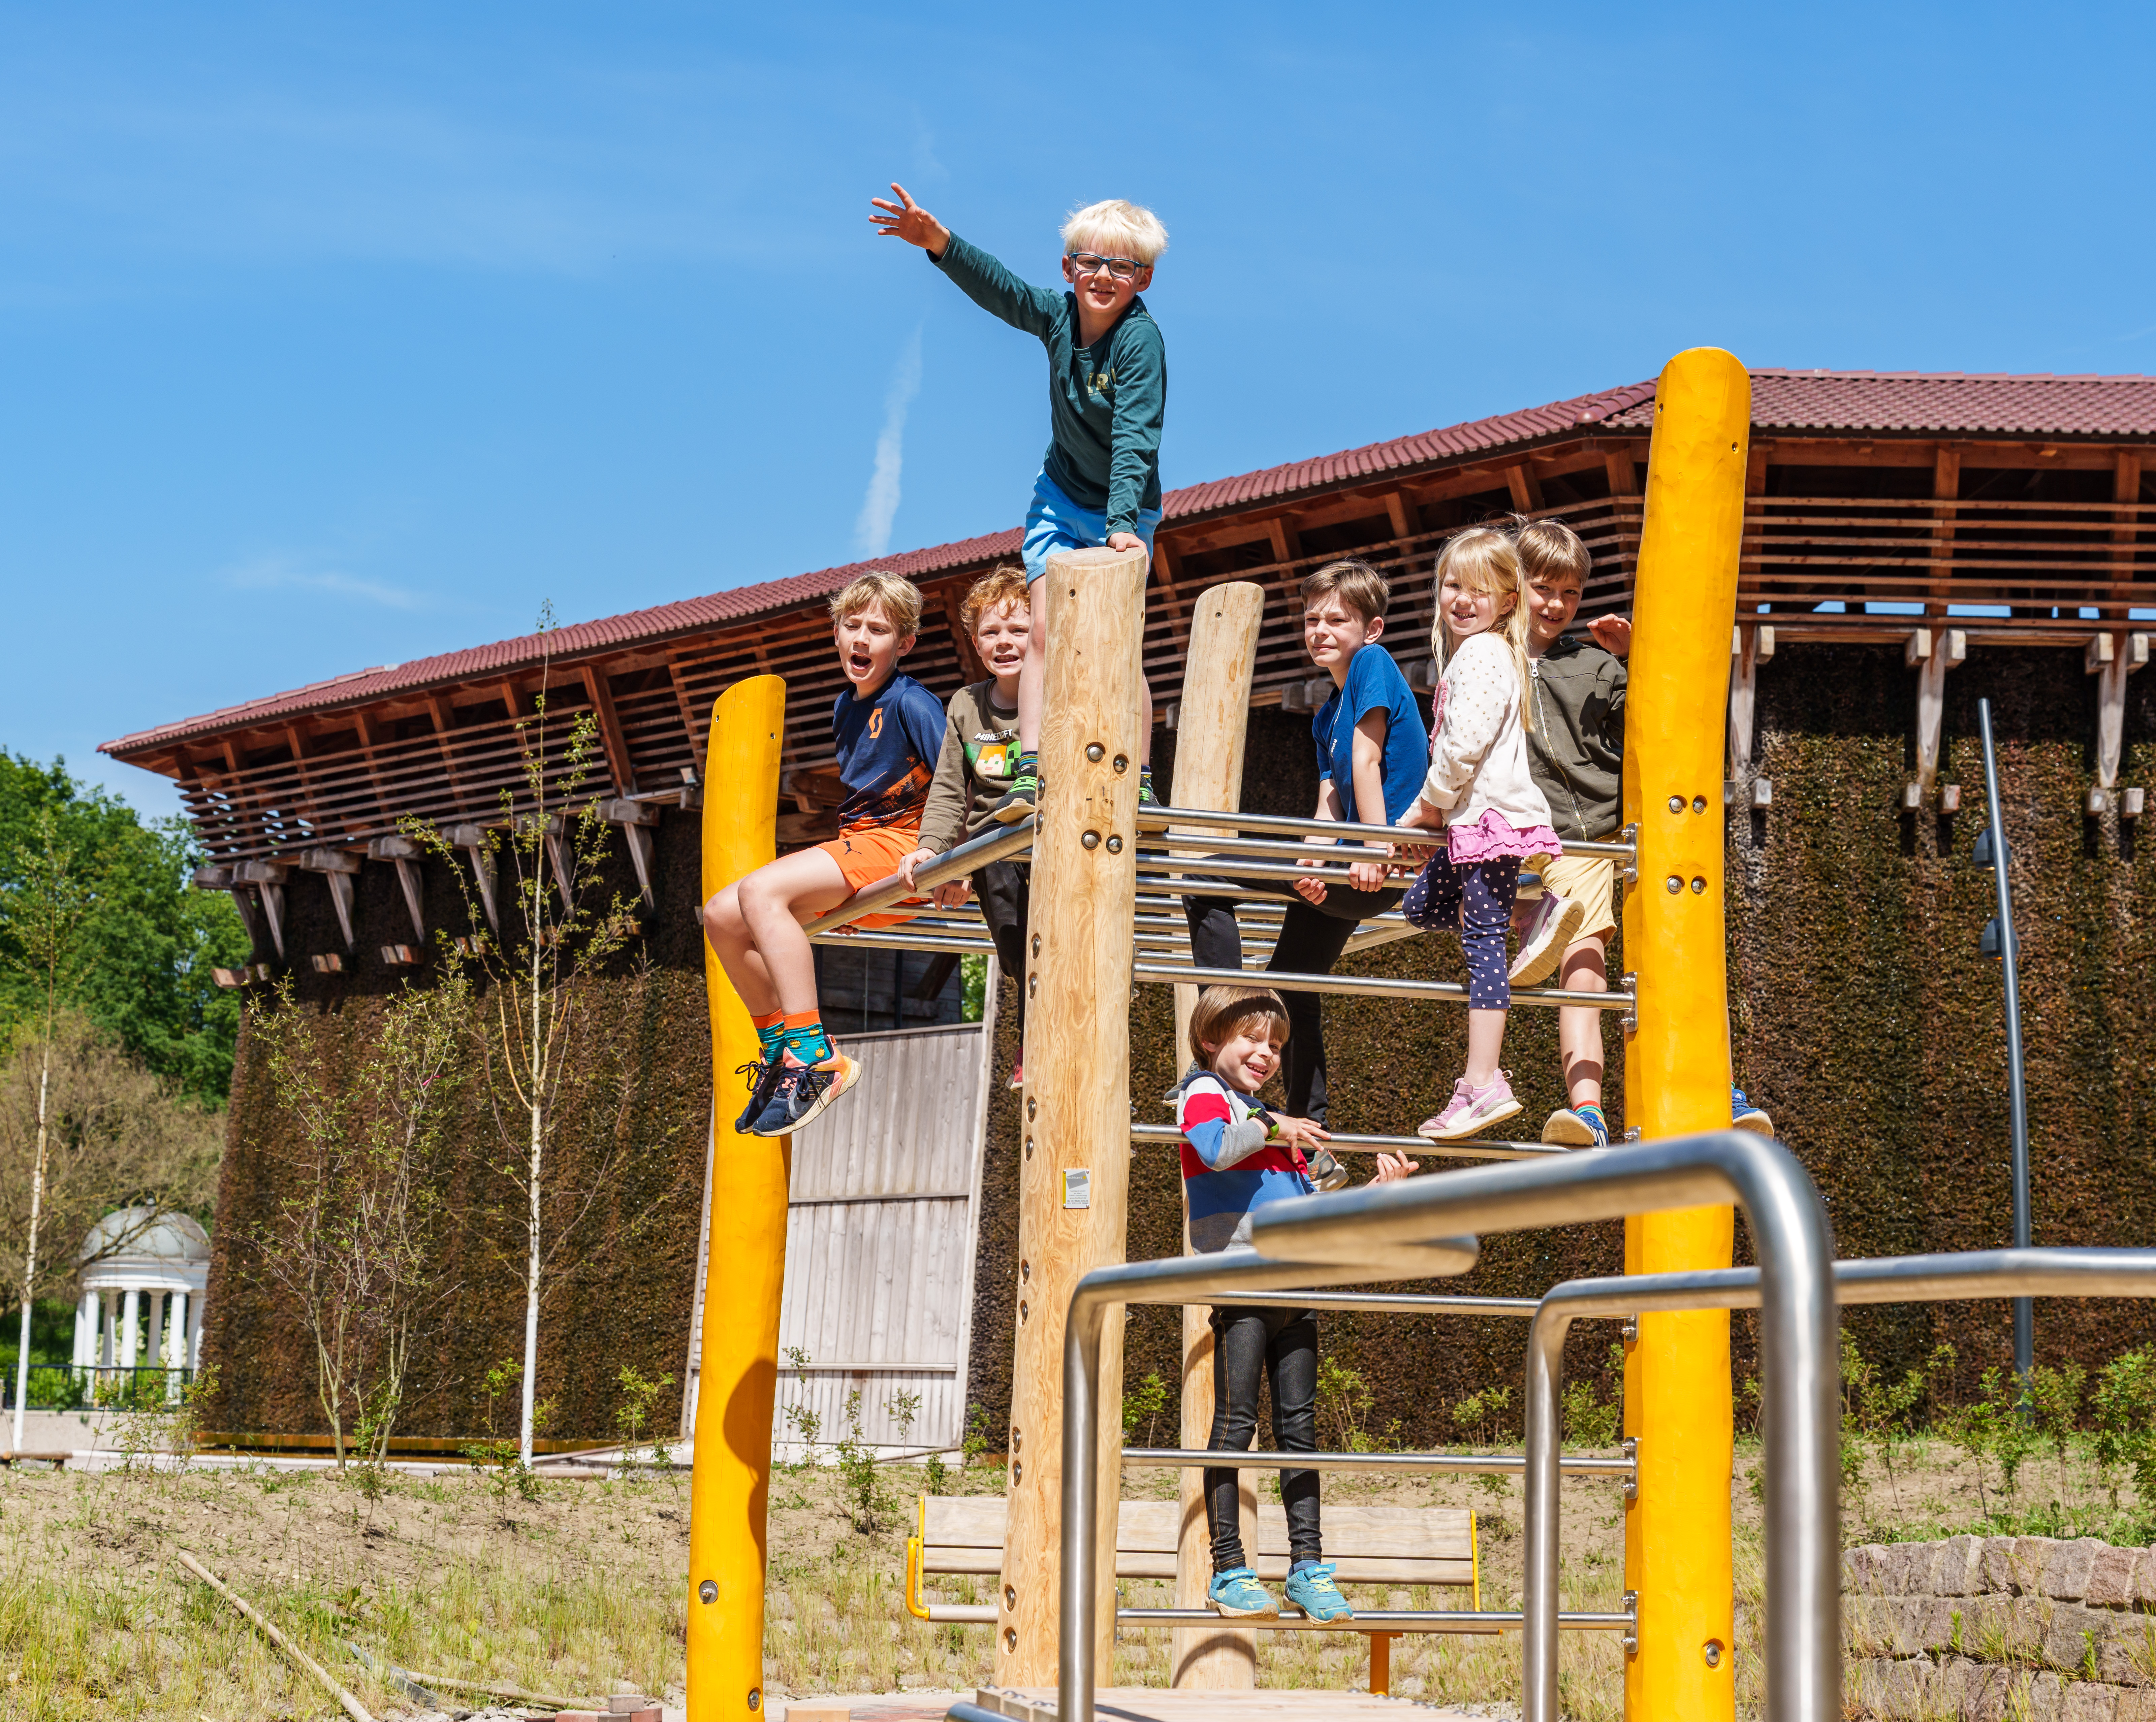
[(1312, 1590), (1238, 1594)]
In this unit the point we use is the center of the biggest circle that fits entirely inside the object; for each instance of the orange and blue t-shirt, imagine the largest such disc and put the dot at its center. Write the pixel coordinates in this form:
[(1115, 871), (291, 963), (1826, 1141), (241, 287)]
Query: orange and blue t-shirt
[(1231, 1165), (887, 747)]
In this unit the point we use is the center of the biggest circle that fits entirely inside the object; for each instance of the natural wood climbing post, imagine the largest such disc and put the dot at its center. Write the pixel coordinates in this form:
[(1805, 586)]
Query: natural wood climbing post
[(1075, 1136), (1677, 1058), (737, 1375), (1209, 740)]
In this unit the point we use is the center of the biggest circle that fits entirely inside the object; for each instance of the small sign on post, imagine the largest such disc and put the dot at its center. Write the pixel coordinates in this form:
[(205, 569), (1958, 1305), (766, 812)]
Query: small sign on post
[(1077, 1187)]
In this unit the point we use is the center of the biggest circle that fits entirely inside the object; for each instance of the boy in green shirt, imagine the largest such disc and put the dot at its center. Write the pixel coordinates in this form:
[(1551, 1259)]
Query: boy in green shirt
[(1107, 396)]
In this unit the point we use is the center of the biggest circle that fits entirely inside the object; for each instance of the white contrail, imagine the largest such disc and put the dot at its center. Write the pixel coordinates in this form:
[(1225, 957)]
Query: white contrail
[(872, 531)]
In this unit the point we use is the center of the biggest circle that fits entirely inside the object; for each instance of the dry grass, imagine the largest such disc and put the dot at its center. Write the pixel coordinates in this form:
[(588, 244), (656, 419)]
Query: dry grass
[(585, 1587)]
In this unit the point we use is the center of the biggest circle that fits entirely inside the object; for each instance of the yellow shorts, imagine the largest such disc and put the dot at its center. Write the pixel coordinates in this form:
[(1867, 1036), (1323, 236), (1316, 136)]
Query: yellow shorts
[(870, 855), (1591, 879)]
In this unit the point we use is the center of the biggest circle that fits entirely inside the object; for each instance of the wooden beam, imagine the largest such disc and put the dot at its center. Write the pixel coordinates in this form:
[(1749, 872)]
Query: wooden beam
[(1164, 556), (1282, 538), (969, 660), (1396, 511), (1946, 484), (610, 736), (1527, 489), (686, 706)]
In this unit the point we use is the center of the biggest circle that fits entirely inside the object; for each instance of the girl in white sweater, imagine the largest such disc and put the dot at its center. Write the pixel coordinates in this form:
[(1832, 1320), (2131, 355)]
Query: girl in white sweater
[(1480, 793)]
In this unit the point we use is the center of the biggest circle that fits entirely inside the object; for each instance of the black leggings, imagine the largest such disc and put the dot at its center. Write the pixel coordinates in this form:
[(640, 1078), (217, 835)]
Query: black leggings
[(1312, 937), (1002, 890), (1283, 1343)]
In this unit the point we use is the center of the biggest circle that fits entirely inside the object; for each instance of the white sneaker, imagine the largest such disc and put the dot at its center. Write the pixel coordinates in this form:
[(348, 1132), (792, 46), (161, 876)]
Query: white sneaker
[(1554, 924)]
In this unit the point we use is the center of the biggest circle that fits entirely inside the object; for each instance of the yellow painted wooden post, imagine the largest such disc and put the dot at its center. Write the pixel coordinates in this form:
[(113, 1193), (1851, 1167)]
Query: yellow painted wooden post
[(730, 1488), (1211, 731), (1074, 1175), (1676, 1080)]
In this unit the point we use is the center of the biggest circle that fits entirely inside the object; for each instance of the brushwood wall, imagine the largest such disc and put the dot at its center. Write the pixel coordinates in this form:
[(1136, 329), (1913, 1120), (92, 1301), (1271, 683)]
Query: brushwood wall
[(1863, 1018)]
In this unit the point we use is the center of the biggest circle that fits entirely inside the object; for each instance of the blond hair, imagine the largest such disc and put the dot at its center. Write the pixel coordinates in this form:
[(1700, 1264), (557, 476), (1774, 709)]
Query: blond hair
[(1001, 584), (1222, 1010), (1357, 585), (899, 598), (1549, 548), (1116, 230), (1483, 559)]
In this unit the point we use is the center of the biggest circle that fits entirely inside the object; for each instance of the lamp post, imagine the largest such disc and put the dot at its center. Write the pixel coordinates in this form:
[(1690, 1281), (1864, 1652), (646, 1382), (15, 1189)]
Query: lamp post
[(1999, 940)]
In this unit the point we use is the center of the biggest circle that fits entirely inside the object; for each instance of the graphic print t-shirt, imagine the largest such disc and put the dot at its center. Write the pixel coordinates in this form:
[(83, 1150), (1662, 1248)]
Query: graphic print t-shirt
[(887, 748), (1374, 684)]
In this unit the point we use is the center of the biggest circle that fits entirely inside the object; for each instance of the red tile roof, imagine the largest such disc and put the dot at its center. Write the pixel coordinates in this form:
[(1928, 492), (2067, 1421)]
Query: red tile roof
[(1882, 401)]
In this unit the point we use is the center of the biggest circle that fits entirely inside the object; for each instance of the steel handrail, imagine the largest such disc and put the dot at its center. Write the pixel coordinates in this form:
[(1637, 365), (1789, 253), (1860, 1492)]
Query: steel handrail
[(1467, 1464), (1477, 1148), (1152, 819), (997, 845), (1371, 986), (1390, 1229), (1886, 1280)]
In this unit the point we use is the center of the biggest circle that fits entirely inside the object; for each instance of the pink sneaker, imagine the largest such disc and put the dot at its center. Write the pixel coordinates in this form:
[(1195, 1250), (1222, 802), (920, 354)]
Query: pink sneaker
[(1471, 1109)]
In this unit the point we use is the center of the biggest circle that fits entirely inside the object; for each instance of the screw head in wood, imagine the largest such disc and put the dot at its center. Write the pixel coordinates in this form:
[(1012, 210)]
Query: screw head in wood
[(1011, 1638), (1091, 840), (755, 1698), (1698, 885), (1123, 762), (1096, 752), (708, 1591), (1677, 804), (1115, 845), (1713, 1651), (1011, 1597), (1699, 804), (1036, 944), (1673, 885)]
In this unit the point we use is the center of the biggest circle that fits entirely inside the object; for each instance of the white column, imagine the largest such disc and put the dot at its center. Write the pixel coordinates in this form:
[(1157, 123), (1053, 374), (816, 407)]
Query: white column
[(194, 1329), (86, 1330), (130, 1318), (175, 1341)]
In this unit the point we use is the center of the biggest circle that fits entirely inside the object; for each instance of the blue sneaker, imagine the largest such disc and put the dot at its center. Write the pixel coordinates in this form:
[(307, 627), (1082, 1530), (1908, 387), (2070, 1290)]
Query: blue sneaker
[(1238, 1594), (762, 1079), (1746, 1116), (1575, 1128), (802, 1093), (1312, 1590)]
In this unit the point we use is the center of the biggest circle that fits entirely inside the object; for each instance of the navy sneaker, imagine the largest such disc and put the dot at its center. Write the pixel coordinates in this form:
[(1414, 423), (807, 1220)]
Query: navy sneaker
[(762, 1079), (803, 1093), (1576, 1130), (1746, 1116)]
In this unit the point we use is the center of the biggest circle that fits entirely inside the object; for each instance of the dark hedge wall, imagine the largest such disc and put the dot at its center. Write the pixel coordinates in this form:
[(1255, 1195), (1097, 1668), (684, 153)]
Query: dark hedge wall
[(1864, 1018)]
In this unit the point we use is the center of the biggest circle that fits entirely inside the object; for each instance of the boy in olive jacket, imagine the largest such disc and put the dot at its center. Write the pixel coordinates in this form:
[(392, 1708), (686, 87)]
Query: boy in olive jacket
[(1576, 755), (1099, 484)]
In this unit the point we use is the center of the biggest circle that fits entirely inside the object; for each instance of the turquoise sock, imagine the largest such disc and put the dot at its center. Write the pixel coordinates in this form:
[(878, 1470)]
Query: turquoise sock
[(811, 1046)]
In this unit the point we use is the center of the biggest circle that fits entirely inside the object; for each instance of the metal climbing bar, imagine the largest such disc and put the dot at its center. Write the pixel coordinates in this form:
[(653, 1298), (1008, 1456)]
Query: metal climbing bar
[(1391, 1464), (1371, 986), (1165, 1135), (998, 845), (1155, 819)]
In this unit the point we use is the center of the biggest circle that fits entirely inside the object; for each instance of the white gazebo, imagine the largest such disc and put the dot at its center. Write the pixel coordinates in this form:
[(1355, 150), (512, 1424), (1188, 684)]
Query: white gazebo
[(138, 1263)]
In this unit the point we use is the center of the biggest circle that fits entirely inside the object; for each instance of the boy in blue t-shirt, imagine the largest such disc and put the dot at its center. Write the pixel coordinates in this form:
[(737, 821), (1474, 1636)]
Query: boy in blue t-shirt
[(887, 728), (1372, 748), (1107, 396)]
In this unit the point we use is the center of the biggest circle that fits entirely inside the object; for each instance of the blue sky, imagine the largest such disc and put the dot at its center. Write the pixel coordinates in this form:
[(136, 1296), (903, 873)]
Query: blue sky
[(332, 337)]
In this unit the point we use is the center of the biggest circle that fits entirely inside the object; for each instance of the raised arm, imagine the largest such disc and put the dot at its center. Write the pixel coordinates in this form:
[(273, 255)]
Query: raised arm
[(979, 276)]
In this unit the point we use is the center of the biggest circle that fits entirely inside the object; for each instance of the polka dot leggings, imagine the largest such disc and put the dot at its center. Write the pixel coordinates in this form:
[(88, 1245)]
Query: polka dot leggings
[(1475, 901)]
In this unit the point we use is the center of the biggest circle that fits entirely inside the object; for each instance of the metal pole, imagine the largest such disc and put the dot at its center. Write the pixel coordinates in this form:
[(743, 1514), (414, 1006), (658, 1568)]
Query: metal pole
[(1382, 1228), (2017, 1091)]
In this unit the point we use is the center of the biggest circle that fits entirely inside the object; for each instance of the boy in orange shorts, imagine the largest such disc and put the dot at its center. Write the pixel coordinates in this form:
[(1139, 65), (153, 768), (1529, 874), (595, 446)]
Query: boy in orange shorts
[(887, 728)]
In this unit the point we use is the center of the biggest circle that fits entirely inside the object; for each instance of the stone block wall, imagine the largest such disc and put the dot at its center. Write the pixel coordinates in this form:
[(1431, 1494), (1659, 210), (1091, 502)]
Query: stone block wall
[(1991, 1629)]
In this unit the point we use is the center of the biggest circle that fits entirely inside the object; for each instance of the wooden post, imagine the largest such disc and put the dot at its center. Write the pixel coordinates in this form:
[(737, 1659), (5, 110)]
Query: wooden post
[(737, 1378), (1208, 773), (1676, 1060), (1074, 1159)]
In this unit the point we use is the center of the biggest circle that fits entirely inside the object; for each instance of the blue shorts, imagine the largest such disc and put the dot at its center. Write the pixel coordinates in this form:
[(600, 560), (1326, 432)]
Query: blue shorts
[(1054, 522)]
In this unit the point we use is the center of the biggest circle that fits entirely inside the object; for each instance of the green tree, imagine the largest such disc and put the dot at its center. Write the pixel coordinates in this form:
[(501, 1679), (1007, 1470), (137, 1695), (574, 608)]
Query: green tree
[(148, 941)]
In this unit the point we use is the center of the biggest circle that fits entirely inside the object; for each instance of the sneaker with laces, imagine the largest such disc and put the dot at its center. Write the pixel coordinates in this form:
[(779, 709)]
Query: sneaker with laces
[(1018, 1074), (1554, 924), (1471, 1109), (803, 1093), (1326, 1173), (1312, 1590), (1018, 802), (1147, 798), (762, 1077), (1575, 1129), (1237, 1593), (1746, 1116)]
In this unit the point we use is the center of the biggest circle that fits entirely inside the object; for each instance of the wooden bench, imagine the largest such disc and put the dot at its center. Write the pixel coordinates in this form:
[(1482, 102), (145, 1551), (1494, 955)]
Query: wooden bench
[(1367, 1545)]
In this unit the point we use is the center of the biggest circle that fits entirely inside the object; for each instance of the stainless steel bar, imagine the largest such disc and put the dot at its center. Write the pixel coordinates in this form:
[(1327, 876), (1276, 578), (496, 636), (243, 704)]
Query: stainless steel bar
[(1171, 1280), (2017, 1091), (1372, 986), (1887, 1280), (1381, 1620), (998, 845), (1374, 1303), (1223, 874), (1468, 1464), (1475, 1148), (891, 939), (1376, 1227), (1259, 848), (1150, 819)]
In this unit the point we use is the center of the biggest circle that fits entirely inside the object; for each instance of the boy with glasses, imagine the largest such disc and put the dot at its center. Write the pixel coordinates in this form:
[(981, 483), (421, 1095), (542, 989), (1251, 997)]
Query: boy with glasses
[(1108, 395)]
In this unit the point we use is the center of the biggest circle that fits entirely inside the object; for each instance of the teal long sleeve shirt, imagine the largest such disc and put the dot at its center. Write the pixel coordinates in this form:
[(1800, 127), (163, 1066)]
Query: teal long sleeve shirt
[(1106, 402)]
